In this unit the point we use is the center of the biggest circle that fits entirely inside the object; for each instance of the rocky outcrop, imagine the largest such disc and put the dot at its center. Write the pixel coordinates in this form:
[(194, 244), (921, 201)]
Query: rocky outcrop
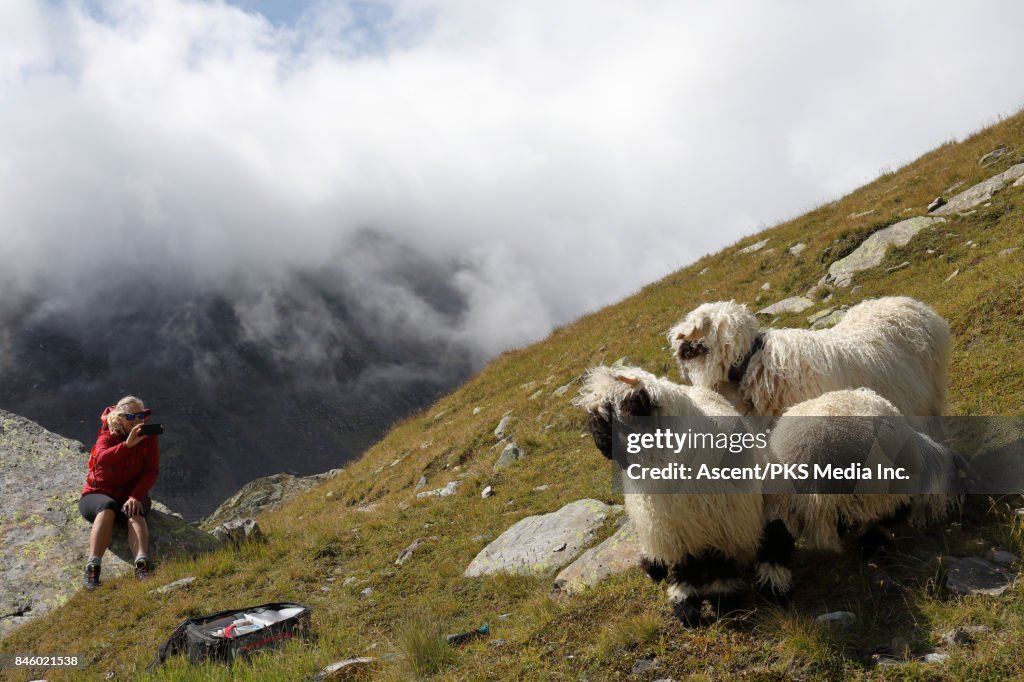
[(262, 495), (43, 538)]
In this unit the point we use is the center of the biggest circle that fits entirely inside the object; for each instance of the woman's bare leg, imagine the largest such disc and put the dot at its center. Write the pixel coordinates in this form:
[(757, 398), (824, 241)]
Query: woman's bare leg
[(138, 536), (102, 529)]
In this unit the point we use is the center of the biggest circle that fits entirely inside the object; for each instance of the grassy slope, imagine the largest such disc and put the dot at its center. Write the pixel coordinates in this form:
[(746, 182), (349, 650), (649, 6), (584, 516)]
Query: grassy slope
[(323, 537)]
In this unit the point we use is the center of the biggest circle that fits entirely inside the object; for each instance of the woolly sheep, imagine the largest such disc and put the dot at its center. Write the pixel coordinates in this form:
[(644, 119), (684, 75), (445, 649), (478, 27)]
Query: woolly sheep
[(895, 345), (697, 542), (818, 518)]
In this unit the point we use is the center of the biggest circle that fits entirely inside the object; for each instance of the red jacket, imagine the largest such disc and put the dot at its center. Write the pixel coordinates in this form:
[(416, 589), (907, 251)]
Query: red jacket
[(118, 470)]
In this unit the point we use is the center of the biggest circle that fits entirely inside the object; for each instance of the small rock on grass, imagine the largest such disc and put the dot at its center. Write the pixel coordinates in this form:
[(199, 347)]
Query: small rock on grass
[(446, 491), (501, 430), (177, 584), (342, 668), (644, 665), (407, 552), (1001, 556), (837, 618), (511, 453), (964, 634), (974, 575)]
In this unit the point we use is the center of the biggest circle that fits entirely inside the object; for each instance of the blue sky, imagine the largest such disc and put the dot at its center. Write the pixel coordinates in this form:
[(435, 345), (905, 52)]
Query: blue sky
[(277, 11)]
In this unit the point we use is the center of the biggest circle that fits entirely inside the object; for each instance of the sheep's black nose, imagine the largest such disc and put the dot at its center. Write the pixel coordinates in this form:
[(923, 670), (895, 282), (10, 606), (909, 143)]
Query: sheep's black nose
[(691, 349)]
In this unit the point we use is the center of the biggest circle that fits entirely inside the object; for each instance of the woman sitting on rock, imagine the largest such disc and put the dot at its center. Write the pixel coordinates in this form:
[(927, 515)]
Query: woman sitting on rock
[(122, 468)]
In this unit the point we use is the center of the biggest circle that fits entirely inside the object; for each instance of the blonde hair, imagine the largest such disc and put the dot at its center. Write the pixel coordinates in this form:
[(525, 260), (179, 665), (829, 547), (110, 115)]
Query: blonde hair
[(114, 421)]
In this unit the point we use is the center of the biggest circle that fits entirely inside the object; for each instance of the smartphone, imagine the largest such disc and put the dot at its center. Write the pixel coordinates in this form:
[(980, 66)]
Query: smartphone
[(151, 429)]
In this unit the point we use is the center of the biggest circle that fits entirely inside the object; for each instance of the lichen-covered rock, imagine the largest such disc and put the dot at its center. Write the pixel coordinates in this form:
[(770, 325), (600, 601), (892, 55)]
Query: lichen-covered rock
[(538, 545), (262, 495), (618, 553), (43, 538)]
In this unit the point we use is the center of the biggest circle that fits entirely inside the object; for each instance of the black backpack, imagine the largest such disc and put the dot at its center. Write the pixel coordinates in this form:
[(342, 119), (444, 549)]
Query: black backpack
[(221, 637)]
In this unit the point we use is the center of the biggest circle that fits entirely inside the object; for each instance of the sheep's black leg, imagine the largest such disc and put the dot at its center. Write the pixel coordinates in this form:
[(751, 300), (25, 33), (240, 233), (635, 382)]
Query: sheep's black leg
[(879, 537), (654, 568), (684, 596), (775, 560), (875, 540), (711, 574), (717, 577)]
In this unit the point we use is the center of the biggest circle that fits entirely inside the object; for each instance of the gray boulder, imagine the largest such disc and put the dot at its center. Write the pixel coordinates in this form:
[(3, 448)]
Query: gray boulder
[(43, 538), (446, 491), (617, 554), (993, 156), (872, 251), (974, 575), (753, 248), (982, 192), (239, 532), (837, 618), (829, 319), (501, 430), (793, 304), (539, 545), (511, 453)]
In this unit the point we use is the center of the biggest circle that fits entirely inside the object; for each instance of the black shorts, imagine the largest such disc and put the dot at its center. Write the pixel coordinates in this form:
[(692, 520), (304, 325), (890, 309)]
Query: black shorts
[(92, 504)]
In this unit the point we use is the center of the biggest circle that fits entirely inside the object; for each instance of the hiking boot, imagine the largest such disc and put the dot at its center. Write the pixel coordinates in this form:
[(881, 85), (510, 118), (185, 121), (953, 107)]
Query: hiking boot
[(92, 576), (142, 569)]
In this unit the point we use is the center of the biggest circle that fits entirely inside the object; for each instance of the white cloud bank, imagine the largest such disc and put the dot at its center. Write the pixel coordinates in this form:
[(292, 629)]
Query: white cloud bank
[(564, 153)]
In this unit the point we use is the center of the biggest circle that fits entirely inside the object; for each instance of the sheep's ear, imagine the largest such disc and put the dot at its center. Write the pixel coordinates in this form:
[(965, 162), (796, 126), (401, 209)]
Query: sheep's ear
[(631, 381), (699, 330)]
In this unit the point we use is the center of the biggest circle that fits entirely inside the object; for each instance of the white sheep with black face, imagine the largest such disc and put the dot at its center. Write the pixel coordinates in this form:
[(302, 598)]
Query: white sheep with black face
[(897, 346), (859, 425), (697, 542)]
